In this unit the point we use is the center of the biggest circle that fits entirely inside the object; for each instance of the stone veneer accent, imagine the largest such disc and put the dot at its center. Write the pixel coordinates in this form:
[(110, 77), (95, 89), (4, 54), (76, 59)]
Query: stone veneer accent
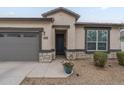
[(70, 55), (82, 55), (112, 55), (46, 57), (77, 55)]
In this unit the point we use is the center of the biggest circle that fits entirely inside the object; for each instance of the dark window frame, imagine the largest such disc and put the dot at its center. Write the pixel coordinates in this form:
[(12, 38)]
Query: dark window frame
[(97, 28)]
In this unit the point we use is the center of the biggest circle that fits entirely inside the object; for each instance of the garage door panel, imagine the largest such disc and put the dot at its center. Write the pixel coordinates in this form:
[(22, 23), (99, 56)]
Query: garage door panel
[(19, 48)]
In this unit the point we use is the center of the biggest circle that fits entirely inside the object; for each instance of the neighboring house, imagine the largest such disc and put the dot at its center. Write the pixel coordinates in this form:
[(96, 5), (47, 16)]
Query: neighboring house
[(122, 35), (57, 33), (122, 39)]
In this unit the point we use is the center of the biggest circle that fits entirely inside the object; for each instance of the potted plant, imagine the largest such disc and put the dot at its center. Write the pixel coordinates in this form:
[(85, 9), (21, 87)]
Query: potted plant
[(68, 67)]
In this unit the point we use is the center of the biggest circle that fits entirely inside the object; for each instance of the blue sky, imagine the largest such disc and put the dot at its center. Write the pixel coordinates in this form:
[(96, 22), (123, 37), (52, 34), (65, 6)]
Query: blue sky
[(90, 14)]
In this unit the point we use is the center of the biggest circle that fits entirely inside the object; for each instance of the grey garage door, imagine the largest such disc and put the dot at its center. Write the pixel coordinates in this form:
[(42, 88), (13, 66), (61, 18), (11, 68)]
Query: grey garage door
[(19, 46)]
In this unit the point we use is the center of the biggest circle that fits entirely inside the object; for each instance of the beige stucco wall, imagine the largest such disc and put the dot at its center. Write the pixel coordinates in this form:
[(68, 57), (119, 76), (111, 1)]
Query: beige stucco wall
[(115, 38), (80, 37), (62, 18), (46, 43)]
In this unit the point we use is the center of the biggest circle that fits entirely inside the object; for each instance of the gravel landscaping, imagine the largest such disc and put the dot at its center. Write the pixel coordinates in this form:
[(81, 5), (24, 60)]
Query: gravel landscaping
[(85, 73)]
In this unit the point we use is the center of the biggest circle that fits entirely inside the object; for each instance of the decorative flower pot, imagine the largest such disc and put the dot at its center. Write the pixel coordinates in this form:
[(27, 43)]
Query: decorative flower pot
[(67, 70), (68, 67)]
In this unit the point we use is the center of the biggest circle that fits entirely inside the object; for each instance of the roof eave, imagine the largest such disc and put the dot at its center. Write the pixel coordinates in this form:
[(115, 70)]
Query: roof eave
[(77, 16), (27, 19), (104, 24)]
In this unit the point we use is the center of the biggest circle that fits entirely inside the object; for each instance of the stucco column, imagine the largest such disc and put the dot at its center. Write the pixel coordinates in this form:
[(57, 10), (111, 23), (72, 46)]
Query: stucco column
[(46, 54), (70, 52)]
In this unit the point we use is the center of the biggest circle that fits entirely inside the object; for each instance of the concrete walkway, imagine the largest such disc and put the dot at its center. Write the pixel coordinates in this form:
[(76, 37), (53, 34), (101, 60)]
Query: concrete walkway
[(12, 73), (49, 70)]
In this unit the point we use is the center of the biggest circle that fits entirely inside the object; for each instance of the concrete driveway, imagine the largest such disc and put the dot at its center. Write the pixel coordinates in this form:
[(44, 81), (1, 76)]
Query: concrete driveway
[(12, 73)]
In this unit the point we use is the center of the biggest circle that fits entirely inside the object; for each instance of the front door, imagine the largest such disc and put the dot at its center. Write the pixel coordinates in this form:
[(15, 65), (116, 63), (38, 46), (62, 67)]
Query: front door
[(59, 44)]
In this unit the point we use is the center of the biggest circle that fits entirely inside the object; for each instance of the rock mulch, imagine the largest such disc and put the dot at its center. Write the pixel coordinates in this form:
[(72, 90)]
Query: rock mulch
[(85, 73)]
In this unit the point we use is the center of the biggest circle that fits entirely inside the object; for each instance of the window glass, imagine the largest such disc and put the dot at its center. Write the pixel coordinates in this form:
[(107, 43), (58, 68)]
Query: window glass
[(1, 35), (91, 46), (91, 35), (13, 35), (101, 46), (102, 35), (29, 35)]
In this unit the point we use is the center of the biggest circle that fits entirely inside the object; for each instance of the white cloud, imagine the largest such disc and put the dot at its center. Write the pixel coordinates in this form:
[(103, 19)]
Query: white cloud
[(11, 13), (104, 8), (8, 14)]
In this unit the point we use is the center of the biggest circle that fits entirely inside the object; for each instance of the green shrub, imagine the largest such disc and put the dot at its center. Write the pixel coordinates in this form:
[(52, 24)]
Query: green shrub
[(100, 59), (120, 56), (69, 65)]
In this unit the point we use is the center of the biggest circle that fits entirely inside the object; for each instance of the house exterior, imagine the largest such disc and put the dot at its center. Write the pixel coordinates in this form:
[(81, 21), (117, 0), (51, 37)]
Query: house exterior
[(58, 32)]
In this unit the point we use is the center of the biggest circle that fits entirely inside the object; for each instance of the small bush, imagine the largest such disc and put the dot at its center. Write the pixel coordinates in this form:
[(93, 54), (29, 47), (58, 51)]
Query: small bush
[(120, 57), (100, 59)]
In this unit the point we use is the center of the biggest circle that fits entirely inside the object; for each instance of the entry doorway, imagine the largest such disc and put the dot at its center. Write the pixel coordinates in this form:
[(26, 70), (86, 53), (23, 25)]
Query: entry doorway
[(60, 42)]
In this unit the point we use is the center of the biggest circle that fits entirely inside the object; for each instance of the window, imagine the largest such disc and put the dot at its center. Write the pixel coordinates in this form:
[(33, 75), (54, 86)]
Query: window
[(30, 35), (13, 35), (1, 35), (97, 40)]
